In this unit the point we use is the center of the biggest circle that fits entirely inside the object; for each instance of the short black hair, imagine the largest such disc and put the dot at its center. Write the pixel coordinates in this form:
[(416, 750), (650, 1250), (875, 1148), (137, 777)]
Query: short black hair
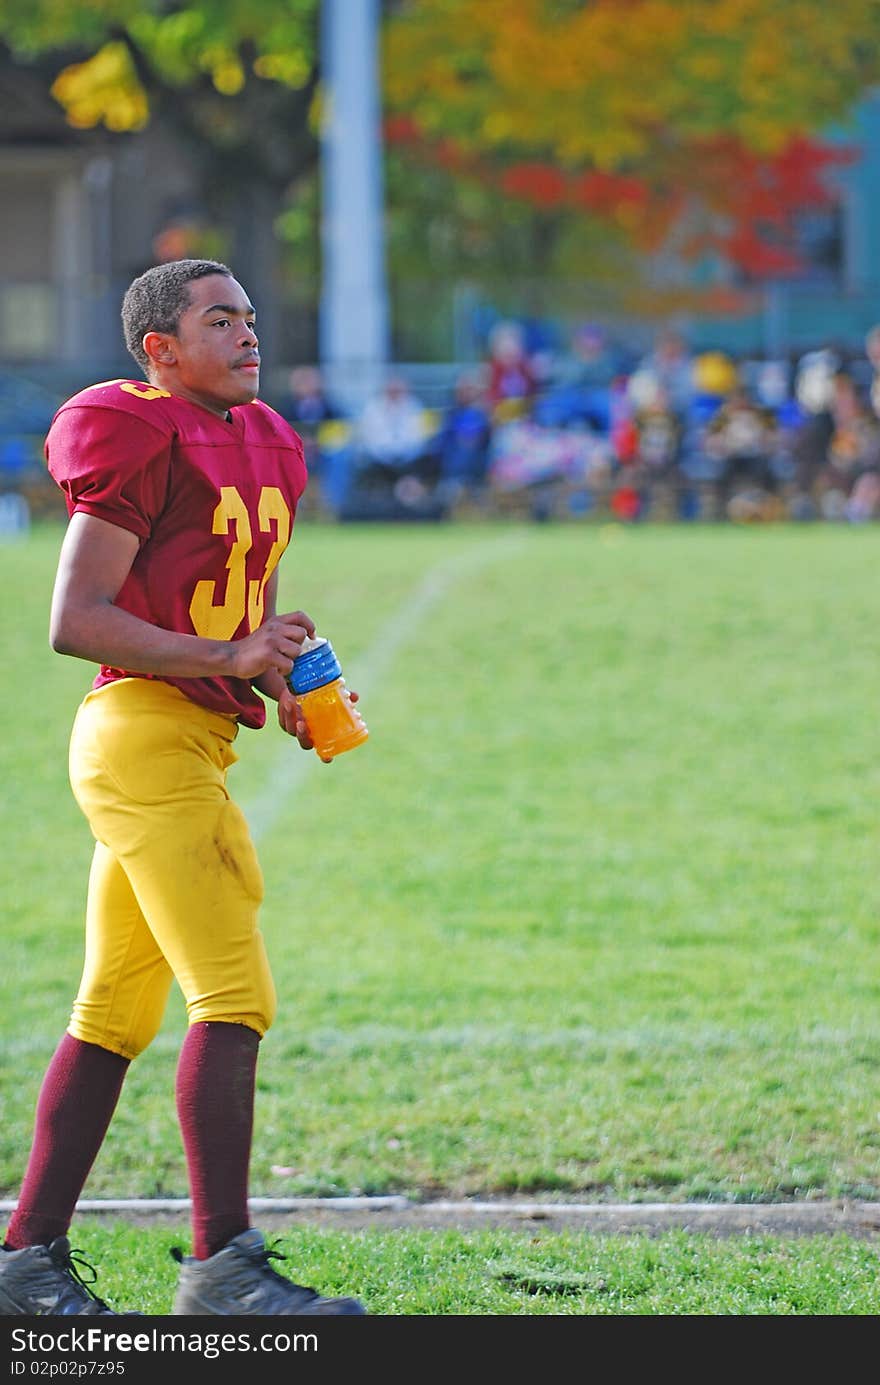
[(154, 301)]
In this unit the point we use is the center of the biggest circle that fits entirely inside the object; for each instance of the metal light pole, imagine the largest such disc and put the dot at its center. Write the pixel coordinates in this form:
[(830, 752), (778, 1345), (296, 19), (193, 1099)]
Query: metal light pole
[(353, 330)]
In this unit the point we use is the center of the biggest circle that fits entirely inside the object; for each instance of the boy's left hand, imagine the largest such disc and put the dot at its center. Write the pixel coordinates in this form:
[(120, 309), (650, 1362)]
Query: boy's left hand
[(291, 719)]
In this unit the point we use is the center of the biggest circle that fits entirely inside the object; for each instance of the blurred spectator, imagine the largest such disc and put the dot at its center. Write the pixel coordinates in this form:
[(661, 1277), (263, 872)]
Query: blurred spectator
[(669, 434), (714, 379), (626, 502), (579, 390), (394, 435), (623, 400), (15, 461), (512, 380), (852, 447), (26, 411), (308, 407), (659, 431), (773, 389), (743, 438), (592, 360), (307, 404), (326, 435), (15, 515), (863, 503), (552, 469), (671, 364), (641, 388), (872, 349), (814, 380), (463, 442), (810, 439), (772, 385), (837, 444)]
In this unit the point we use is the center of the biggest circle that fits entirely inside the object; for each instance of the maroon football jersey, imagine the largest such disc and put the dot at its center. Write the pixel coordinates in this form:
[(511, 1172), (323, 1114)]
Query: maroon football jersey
[(212, 502)]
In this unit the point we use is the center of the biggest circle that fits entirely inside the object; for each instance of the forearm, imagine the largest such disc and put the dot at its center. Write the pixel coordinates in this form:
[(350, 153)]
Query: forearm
[(106, 634), (271, 684)]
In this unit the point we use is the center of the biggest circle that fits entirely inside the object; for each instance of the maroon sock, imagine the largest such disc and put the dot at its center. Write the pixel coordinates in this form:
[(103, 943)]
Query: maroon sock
[(216, 1079), (76, 1101)]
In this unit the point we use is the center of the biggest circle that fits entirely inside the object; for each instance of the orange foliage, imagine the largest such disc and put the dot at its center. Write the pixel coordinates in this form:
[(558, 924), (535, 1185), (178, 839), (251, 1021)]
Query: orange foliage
[(636, 111), (750, 195)]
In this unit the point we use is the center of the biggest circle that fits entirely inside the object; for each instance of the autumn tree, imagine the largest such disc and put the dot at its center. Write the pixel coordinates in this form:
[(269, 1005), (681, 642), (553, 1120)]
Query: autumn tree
[(546, 137), (674, 123), (234, 82)]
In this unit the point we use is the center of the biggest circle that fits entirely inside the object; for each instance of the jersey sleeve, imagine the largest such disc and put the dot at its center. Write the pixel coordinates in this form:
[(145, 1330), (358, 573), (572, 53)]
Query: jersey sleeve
[(111, 462)]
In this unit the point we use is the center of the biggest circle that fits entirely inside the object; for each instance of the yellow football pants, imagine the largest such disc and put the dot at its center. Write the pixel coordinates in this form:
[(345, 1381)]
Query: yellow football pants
[(175, 884)]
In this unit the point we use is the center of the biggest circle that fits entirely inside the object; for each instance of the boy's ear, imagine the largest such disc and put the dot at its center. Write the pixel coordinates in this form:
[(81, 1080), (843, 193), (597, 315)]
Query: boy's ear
[(159, 348)]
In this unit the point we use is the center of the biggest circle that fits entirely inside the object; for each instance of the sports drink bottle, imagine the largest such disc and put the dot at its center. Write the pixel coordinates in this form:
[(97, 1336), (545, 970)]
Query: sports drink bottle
[(316, 681)]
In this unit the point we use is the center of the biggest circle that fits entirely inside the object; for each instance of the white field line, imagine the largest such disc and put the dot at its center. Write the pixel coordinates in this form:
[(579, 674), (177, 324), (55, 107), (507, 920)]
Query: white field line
[(289, 773), (734, 1215)]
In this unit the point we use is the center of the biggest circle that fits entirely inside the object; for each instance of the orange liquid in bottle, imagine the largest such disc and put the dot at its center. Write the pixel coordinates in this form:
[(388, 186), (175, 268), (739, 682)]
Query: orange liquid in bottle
[(334, 722)]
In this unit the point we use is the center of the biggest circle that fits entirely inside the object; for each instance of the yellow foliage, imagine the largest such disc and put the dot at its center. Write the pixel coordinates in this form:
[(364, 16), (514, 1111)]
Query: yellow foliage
[(228, 77), (104, 90), (291, 69), (224, 66), (597, 83), (715, 373), (319, 112)]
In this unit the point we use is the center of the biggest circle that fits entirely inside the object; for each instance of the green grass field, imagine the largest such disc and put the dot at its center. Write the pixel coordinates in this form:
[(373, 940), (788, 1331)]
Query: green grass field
[(594, 914)]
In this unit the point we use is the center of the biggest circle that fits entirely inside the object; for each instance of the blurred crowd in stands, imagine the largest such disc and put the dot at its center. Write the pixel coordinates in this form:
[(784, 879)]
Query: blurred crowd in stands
[(595, 430), (672, 434)]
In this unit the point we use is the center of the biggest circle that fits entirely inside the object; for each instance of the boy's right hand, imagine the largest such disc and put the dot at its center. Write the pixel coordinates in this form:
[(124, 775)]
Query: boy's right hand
[(274, 645)]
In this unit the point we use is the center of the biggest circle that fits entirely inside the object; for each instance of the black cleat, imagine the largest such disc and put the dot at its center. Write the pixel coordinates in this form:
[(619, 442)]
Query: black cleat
[(45, 1281), (239, 1282)]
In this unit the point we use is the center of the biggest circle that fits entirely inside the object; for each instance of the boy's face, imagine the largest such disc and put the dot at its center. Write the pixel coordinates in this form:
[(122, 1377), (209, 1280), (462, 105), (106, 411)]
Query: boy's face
[(213, 359)]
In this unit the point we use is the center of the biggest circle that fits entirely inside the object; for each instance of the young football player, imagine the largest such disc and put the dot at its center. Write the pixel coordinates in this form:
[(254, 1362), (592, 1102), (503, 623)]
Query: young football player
[(181, 491)]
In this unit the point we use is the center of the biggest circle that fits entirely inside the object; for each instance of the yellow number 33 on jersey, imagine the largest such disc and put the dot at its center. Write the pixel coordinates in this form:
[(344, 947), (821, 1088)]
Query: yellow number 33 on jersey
[(243, 597)]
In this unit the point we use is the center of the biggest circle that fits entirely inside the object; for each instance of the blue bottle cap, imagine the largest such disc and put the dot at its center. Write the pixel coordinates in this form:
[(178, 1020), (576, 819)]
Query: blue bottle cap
[(314, 668)]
